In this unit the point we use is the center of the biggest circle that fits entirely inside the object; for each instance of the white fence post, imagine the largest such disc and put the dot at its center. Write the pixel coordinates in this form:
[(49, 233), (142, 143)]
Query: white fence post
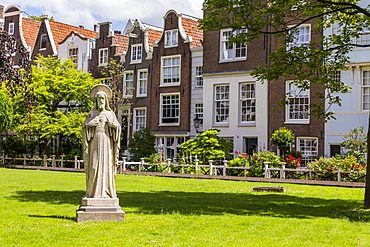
[(45, 162), (141, 166), (267, 173), (210, 167), (282, 171), (224, 168), (196, 166), (124, 163), (338, 175), (24, 159), (168, 165)]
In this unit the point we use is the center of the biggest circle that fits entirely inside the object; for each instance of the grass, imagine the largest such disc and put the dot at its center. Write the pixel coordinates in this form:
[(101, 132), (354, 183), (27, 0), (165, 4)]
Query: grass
[(38, 209)]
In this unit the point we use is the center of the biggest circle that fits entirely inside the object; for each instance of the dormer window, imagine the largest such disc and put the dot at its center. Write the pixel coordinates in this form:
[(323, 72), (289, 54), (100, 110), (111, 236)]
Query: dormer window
[(171, 38), (11, 28), (136, 53), (43, 41)]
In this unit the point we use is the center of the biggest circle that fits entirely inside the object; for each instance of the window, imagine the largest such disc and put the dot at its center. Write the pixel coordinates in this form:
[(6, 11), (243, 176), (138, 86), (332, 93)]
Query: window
[(171, 70), (103, 57), (170, 109), (169, 146), (140, 117), (198, 111), (232, 51), (221, 104), (248, 102), (11, 28), (136, 53), (73, 53), (364, 37), (301, 36), (308, 147), (298, 104), (336, 75), (334, 149), (171, 38), (142, 83), (366, 90), (43, 41), (199, 76), (128, 83)]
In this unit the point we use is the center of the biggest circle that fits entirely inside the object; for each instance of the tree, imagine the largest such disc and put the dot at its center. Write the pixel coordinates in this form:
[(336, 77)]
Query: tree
[(355, 143), (282, 138), (206, 146), (142, 144), (62, 100), (314, 62), (6, 113)]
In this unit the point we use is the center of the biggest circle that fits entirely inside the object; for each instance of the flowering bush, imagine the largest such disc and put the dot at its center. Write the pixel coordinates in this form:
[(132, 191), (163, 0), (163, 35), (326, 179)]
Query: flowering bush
[(292, 162), (324, 168), (254, 161)]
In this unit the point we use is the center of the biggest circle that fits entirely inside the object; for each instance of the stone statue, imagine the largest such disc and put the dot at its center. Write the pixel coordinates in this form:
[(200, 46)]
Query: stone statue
[(101, 140)]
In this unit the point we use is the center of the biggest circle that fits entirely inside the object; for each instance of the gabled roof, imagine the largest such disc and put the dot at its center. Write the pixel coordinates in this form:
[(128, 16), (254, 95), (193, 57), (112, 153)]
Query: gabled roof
[(122, 43), (190, 25), (61, 30), (30, 28)]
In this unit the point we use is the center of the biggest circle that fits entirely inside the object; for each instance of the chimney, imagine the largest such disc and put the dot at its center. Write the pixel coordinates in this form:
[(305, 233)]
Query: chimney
[(81, 26), (116, 31)]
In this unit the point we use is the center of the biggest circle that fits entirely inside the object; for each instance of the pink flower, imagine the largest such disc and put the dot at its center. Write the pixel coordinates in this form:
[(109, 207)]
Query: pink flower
[(236, 152)]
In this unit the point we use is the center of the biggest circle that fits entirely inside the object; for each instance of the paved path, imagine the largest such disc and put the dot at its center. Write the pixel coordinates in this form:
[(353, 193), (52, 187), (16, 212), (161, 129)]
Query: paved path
[(233, 178)]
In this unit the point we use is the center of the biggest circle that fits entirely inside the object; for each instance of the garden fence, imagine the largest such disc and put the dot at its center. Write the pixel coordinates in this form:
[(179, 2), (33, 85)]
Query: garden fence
[(171, 167)]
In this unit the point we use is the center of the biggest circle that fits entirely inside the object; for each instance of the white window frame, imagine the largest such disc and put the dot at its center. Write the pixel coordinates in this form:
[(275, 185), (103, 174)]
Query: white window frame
[(365, 90), (136, 53), (336, 75), (142, 83), (297, 94), (74, 56), (300, 38), (363, 38), (103, 57), (198, 111), (139, 119), (171, 38), (42, 37), (228, 52), (221, 110), (171, 66), (128, 90), (247, 103), (309, 152), (172, 106), (11, 28), (198, 76), (164, 145)]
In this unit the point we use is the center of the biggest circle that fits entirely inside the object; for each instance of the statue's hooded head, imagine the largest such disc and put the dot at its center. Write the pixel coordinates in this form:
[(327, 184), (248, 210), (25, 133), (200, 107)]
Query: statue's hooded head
[(100, 95)]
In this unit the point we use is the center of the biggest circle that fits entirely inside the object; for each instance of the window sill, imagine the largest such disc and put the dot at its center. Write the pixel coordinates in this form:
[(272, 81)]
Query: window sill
[(297, 122), (169, 124), (169, 85), (141, 96), (135, 61), (102, 65), (170, 46), (220, 125), (233, 60), (252, 124)]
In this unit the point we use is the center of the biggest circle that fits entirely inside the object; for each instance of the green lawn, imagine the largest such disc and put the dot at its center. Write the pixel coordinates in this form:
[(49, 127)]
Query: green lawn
[(38, 209)]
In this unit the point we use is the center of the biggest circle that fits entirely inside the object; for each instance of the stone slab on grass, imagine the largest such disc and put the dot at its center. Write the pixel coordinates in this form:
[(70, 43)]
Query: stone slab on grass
[(269, 189)]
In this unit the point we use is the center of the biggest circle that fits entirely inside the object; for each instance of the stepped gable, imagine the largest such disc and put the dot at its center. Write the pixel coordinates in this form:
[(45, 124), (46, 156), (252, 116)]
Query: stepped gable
[(190, 25), (122, 43), (61, 30), (30, 28)]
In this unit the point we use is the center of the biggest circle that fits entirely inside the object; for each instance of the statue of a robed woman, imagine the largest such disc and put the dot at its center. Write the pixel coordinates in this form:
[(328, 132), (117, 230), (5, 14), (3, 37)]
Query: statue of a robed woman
[(101, 142)]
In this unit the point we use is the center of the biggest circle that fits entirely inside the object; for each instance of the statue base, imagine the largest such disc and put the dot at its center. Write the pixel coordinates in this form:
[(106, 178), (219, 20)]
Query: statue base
[(100, 209)]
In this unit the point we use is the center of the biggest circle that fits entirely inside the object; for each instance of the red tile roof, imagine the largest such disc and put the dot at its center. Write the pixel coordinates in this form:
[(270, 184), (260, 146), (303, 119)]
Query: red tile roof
[(153, 35), (121, 41), (61, 30), (30, 28), (190, 25)]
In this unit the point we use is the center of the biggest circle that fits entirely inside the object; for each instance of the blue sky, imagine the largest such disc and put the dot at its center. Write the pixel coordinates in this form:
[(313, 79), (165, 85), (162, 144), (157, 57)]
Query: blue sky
[(90, 12)]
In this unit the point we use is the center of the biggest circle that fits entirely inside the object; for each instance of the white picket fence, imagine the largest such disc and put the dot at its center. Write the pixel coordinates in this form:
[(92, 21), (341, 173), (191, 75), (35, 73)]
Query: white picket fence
[(220, 170)]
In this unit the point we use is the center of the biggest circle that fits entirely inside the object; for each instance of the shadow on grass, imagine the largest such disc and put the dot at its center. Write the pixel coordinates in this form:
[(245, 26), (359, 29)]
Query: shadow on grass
[(198, 203)]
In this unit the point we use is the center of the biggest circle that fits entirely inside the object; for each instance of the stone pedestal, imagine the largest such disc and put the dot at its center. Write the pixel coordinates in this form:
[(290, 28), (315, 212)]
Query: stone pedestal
[(100, 209)]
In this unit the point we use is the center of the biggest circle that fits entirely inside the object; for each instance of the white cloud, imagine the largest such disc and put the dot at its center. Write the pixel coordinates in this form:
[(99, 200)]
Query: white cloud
[(90, 12)]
